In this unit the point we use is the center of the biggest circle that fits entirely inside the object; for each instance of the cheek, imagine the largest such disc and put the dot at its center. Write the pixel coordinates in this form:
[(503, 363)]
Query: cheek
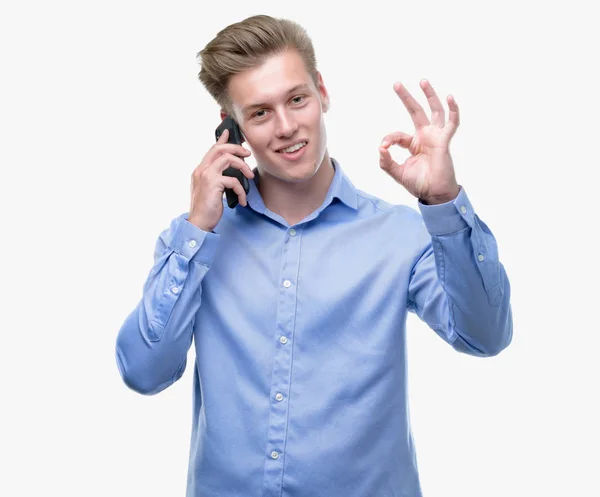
[(257, 142), (321, 127)]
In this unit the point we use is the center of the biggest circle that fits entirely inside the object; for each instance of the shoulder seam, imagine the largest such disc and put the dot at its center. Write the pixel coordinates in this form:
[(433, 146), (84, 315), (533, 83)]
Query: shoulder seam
[(373, 201)]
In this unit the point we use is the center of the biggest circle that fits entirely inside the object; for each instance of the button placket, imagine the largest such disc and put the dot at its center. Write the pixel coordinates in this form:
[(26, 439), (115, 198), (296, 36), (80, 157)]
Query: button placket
[(282, 362)]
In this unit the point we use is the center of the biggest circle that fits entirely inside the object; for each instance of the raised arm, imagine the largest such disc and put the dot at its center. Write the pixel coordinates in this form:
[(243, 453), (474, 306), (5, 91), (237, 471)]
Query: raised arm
[(152, 344), (458, 285)]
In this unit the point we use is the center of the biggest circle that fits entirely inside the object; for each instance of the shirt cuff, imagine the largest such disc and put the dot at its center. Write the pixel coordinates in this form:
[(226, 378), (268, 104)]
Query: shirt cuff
[(450, 217), (194, 243)]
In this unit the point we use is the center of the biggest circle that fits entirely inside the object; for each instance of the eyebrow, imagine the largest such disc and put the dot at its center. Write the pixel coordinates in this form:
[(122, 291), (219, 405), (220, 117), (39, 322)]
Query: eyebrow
[(250, 107)]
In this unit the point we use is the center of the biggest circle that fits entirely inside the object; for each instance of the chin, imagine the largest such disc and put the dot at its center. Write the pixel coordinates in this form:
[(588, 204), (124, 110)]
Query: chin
[(301, 173), (294, 173)]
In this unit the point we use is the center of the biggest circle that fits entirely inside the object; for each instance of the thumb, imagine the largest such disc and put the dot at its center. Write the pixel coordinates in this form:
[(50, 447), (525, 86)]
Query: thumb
[(385, 159)]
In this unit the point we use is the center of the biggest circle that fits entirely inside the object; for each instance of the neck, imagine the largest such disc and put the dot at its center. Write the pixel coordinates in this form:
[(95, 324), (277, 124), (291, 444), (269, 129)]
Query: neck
[(295, 201)]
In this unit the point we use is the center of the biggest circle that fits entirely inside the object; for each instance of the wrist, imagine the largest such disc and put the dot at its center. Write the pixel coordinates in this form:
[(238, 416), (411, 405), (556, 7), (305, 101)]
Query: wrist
[(198, 223), (440, 199)]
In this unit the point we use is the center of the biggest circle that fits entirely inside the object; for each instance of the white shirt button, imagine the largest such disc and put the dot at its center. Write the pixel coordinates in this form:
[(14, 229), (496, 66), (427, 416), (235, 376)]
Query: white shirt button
[(175, 289), (192, 243), (480, 257), (287, 283), (283, 340), (463, 209), (292, 232), (274, 454), (279, 397)]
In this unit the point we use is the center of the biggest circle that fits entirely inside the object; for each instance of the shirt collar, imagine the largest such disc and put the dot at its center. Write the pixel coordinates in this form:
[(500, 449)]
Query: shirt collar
[(341, 188)]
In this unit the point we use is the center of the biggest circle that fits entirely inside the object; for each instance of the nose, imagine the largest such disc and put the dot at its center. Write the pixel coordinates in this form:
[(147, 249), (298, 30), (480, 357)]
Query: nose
[(286, 125)]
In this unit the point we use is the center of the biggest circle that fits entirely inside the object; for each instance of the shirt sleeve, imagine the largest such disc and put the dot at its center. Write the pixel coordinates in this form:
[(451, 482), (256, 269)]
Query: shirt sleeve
[(458, 285), (152, 344)]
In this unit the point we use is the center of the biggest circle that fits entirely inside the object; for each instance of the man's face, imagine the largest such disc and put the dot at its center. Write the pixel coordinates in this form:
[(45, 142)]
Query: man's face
[(278, 105)]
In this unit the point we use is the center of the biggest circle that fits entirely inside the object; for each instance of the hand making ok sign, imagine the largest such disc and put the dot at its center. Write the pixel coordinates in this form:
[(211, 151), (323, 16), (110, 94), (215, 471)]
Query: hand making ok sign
[(428, 173)]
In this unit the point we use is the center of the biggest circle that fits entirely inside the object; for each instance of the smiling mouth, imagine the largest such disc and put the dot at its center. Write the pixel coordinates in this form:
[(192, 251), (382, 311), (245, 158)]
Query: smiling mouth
[(293, 148)]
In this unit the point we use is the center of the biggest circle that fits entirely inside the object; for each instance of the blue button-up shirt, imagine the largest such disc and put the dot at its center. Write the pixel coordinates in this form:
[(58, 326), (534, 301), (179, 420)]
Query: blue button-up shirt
[(300, 341)]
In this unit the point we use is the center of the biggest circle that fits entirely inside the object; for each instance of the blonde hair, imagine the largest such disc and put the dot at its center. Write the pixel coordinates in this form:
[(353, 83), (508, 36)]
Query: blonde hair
[(248, 44)]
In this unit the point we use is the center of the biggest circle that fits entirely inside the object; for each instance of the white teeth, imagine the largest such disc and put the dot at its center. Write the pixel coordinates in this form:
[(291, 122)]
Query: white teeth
[(293, 148)]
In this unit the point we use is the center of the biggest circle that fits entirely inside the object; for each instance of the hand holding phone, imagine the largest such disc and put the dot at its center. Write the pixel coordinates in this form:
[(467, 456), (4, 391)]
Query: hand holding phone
[(209, 181), (236, 137)]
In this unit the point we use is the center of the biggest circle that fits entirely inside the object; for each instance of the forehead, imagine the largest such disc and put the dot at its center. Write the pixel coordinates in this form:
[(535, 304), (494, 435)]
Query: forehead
[(270, 81)]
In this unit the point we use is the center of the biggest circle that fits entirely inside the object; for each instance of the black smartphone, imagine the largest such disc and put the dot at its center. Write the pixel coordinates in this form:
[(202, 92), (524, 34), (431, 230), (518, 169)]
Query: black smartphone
[(235, 136)]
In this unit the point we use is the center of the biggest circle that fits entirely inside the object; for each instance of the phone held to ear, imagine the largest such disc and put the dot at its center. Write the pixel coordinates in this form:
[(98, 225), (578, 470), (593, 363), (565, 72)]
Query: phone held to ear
[(235, 136)]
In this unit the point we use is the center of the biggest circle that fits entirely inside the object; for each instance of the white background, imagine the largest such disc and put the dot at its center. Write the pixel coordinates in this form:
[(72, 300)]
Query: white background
[(102, 121)]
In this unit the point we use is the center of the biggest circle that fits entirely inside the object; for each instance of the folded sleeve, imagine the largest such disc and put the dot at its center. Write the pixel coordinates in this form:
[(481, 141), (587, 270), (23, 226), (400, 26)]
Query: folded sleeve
[(458, 285)]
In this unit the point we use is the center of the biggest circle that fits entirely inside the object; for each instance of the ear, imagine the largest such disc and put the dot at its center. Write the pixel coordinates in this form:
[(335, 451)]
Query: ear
[(323, 93), (224, 114)]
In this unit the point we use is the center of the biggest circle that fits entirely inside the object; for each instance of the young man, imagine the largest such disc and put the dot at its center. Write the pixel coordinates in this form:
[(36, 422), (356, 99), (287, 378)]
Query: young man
[(296, 299)]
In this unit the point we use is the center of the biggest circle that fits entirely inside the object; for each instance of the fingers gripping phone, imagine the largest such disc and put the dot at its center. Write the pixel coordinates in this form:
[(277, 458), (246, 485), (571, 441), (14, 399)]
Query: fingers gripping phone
[(235, 136)]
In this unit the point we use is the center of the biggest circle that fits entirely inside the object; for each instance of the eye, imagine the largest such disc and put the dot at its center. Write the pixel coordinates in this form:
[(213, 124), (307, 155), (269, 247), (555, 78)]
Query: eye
[(262, 113)]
